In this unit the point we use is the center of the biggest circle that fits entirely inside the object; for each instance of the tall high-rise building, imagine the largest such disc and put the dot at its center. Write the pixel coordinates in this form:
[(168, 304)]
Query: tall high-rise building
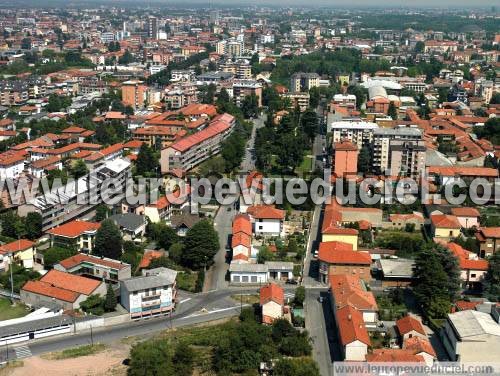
[(134, 93), (152, 27)]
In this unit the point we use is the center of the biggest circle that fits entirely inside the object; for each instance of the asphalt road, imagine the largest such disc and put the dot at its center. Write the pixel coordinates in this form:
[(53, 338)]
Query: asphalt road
[(248, 163), (193, 309)]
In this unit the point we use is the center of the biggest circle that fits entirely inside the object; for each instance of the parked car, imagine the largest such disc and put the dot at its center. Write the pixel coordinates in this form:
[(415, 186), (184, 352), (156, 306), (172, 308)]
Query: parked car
[(292, 282)]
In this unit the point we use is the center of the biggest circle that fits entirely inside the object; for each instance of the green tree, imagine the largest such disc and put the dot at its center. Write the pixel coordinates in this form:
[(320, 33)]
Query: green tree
[(183, 359), (94, 305), (108, 240), (264, 255), (392, 111), (126, 58), (54, 255), (364, 160), (495, 98), (233, 151), (300, 296), (33, 225), (491, 281), (12, 225), (111, 301), (146, 163), (419, 47), (431, 283), (296, 367), (101, 213), (250, 106), (201, 245), (309, 123), (79, 169), (151, 358)]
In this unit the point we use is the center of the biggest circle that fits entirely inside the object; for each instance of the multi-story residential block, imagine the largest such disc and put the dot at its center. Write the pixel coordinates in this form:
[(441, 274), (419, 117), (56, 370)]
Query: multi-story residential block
[(302, 82), (134, 93), (400, 150), (78, 197), (242, 88), (154, 293), (152, 27), (345, 159), (300, 100), (337, 258), (359, 133), (190, 151)]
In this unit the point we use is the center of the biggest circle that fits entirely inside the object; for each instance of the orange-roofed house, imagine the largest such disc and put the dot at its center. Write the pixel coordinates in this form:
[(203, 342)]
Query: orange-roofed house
[(467, 217), (489, 240), (353, 334), (337, 258), (267, 220), (445, 227), (21, 252), (77, 235), (95, 267), (409, 327), (158, 211), (472, 267), (241, 238), (350, 290), (421, 347), (60, 290), (272, 302), (345, 159), (393, 356)]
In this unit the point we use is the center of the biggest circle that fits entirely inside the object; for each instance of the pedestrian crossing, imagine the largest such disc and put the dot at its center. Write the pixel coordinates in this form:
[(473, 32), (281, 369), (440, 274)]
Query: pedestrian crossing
[(22, 352)]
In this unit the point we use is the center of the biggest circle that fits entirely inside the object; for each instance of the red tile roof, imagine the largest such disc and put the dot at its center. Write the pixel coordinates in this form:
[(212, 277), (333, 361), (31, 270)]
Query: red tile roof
[(345, 146), (266, 212), (345, 257), (463, 305), (490, 232), (62, 286), (241, 239), (393, 355), (241, 223), (74, 229), (148, 257), (349, 290), (46, 289), (466, 259), (77, 259), (16, 246), (409, 323), (419, 345), (240, 256), (463, 171), (351, 326), (445, 221), (465, 212), (216, 127), (161, 203), (272, 292)]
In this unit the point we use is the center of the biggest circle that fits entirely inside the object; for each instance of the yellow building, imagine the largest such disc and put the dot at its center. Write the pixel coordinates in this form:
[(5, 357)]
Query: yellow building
[(22, 252), (340, 234), (445, 226)]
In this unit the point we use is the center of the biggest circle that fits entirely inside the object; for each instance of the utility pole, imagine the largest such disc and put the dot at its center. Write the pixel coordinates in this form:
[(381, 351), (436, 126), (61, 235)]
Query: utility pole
[(91, 337), (11, 266)]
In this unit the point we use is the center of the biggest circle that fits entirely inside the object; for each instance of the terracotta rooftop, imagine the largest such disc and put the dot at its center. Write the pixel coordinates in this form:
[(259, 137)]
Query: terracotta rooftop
[(74, 229), (272, 292), (16, 246), (266, 212), (445, 221), (351, 326), (409, 323), (350, 290), (77, 259)]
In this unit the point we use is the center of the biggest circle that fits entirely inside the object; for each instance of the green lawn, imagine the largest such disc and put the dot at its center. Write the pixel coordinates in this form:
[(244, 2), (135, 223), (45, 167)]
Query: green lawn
[(8, 312), (306, 165), (187, 281)]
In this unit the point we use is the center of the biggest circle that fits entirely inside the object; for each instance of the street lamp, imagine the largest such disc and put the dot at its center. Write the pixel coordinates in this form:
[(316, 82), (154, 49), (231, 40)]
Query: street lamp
[(11, 266)]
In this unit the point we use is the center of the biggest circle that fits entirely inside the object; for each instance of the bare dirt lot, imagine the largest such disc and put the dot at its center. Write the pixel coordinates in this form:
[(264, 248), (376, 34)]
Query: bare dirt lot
[(108, 362)]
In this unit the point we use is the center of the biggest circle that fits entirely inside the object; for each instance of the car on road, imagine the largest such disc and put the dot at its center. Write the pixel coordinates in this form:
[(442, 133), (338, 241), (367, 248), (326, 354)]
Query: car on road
[(291, 282), (321, 299)]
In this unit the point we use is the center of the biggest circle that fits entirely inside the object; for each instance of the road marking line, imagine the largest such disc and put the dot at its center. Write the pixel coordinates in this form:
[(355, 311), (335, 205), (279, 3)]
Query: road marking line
[(22, 352), (185, 300)]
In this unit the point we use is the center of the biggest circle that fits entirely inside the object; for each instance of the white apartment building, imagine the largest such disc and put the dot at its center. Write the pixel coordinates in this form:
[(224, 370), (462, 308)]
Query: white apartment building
[(358, 132), (154, 293)]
